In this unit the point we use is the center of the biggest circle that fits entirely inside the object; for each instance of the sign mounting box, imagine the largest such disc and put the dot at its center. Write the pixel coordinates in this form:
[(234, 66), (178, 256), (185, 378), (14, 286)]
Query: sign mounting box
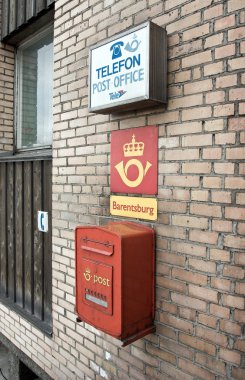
[(129, 70)]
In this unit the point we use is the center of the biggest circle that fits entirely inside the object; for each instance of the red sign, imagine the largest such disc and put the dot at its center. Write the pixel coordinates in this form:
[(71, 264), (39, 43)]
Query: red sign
[(134, 160)]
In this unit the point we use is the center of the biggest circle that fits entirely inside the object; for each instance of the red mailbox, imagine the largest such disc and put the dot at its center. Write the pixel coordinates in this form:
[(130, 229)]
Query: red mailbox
[(115, 279)]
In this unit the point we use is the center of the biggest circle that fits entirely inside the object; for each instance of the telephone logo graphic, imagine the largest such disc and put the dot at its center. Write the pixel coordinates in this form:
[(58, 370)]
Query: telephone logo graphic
[(133, 149), (116, 49)]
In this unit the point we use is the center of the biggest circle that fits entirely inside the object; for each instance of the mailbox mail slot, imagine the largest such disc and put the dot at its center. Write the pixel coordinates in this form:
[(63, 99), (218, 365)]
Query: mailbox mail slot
[(115, 279)]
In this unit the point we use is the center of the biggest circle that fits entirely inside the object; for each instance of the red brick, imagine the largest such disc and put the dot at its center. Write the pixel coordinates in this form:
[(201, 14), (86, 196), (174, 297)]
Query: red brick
[(200, 195), (189, 249), (181, 181), (139, 354), (161, 354), (242, 168), (189, 276), (236, 213), (176, 348), (220, 283), (224, 168), (211, 363), (215, 97), (214, 125), (235, 183), (224, 110), (212, 153), (195, 370), (172, 206), (203, 236), (186, 313), (236, 124), (175, 322), (235, 64), (171, 284), (233, 5), (241, 228), (172, 259), (174, 372), (197, 344), (213, 68), (212, 182), (240, 345), (230, 356), (233, 271), (213, 12), (240, 198), (225, 51), (219, 255), (226, 81), (206, 210), (236, 94), (198, 113), (189, 221), (236, 34), (224, 23), (199, 86), (197, 140), (181, 194), (184, 23), (196, 167), (192, 303), (234, 241), (221, 226), (220, 311), (230, 327), (242, 112), (239, 315), (203, 293), (196, 59), (207, 320), (181, 154), (212, 336), (214, 40), (233, 301), (203, 266), (225, 138), (239, 258), (238, 373)]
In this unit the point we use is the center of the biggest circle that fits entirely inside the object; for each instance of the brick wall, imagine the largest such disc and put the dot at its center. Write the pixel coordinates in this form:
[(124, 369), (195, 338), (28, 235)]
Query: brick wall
[(199, 257), (6, 94)]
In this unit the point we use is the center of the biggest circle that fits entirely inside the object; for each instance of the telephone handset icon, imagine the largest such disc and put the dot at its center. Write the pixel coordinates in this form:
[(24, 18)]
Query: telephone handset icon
[(116, 49)]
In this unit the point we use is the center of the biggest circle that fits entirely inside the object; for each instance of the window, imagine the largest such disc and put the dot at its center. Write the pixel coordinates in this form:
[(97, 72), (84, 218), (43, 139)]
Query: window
[(35, 92)]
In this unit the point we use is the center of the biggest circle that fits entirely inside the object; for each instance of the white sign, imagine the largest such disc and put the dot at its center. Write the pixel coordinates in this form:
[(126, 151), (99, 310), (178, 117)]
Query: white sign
[(119, 70), (43, 221)]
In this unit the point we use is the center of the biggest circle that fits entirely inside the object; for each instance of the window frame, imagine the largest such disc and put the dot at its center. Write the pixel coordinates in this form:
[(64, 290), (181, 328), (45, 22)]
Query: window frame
[(46, 30)]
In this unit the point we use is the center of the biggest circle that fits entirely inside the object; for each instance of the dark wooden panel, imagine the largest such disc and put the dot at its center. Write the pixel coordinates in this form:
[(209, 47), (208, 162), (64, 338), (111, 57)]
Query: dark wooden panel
[(12, 15), (19, 223), (25, 252), (28, 238), (5, 17), (3, 230), (10, 232), (21, 13), (47, 205), (40, 5), (38, 240), (30, 9)]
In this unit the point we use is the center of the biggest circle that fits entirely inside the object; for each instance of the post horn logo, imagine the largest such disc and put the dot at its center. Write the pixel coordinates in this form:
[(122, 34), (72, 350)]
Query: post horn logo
[(87, 274), (133, 149)]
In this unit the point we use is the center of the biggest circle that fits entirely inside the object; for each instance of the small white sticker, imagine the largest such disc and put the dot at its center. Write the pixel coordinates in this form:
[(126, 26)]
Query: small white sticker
[(43, 221)]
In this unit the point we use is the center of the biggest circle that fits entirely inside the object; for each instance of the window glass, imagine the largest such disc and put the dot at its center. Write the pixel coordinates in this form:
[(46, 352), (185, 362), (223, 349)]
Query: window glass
[(35, 92)]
